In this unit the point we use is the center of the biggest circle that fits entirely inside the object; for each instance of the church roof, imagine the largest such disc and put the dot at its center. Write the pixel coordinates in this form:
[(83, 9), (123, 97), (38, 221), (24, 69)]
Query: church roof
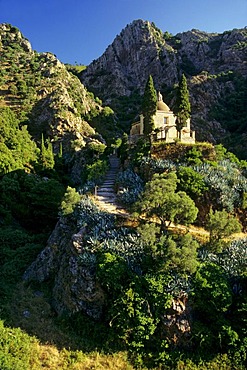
[(162, 106)]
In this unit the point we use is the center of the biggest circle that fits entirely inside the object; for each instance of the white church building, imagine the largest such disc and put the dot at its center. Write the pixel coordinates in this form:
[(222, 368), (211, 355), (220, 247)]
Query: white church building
[(164, 126)]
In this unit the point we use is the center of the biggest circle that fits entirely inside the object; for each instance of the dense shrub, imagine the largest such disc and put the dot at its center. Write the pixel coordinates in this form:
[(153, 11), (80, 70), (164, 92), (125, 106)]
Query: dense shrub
[(97, 170), (17, 250), (70, 200), (31, 200)]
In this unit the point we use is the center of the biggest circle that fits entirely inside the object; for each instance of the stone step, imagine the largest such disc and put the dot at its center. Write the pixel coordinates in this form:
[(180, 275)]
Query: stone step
[(105, 186), (110, 186), (107, 201), (111, 173), (106, 190), (106, 194)]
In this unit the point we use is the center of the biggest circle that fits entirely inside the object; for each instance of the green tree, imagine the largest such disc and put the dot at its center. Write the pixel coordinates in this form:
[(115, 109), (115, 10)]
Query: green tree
[(97, 148), (212, 299), (159, 199), (97, 170), (181, 254), (33, 201), (149, 106), (16, 147), (182, 108), (46, 155), (191, 181), (136, 316), (123, 148), (70, 199), (220, 225), (194, 156)]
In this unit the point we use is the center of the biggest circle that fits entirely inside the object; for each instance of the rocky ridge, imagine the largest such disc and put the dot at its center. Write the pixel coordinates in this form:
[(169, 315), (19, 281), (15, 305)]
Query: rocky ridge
[(46, 97)]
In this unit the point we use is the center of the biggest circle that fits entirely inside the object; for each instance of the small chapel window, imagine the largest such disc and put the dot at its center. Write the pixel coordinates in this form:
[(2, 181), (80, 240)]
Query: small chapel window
[(165, 120)]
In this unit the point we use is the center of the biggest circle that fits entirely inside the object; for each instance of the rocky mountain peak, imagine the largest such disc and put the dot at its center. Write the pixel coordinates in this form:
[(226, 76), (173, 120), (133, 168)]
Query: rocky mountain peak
[(10, 34), (127, 62)]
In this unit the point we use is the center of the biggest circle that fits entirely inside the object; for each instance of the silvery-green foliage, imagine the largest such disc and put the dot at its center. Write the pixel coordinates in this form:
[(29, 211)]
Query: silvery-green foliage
[(87, 188), (233, 259), (88, 259), (101, 234), (225, 181), (127, 244), (178, 285), (159, 165), (128, 177), (88, 213), (130, 184), (128, 196)]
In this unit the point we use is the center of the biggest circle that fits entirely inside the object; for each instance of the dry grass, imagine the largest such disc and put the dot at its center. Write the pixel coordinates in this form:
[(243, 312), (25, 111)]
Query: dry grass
[(48, 357)]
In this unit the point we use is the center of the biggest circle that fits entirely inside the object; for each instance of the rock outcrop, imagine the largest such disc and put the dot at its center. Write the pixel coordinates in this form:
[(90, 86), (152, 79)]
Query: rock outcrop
[(177, 322), (74, 282)]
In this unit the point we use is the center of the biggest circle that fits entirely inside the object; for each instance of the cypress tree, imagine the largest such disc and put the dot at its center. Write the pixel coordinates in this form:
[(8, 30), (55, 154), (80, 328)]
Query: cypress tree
[(182, 109), (60, 154), (46, 155), (149, 106), (50, 155), (42, 152)]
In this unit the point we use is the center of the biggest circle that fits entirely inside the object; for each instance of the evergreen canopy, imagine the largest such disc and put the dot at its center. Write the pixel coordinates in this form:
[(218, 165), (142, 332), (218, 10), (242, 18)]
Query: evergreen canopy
[(183, 109), (149, 106), (161, 200)]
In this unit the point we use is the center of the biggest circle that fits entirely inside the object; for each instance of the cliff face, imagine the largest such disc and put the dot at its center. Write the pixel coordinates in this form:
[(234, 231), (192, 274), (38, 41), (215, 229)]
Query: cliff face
[(74, 281), (210, 62), (138, 51)]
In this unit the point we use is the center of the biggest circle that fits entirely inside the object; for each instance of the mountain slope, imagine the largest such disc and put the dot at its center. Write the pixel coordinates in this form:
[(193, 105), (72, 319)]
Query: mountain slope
[(38, 87)]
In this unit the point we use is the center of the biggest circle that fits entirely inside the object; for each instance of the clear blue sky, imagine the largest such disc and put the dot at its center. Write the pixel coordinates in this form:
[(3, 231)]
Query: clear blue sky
[(80, 30)]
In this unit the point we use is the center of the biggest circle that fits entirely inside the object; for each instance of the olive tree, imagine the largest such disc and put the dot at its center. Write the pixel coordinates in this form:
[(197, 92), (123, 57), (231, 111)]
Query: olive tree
[(161, 200)]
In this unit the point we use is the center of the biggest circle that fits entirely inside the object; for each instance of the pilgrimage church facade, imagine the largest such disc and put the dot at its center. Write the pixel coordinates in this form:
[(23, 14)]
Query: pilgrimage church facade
[(164, 126)]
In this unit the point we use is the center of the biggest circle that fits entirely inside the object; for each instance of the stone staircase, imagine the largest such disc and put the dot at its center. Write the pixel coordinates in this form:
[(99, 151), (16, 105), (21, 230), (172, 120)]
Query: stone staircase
[(105, 194)]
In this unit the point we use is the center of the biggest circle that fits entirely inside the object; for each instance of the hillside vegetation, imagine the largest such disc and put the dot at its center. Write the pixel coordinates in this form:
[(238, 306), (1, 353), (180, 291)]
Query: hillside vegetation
[(163, 286)]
